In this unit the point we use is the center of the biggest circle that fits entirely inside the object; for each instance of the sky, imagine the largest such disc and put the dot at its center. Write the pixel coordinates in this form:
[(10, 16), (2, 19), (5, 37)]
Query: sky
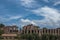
[(43, 13)]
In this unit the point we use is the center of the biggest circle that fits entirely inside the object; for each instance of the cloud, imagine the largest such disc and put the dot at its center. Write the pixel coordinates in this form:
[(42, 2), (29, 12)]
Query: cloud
[(29, 3), (28, 21), (52, 16), (48, 13), (14, 17), (2, 19), (9, 18), (57, 3), (46, 0)]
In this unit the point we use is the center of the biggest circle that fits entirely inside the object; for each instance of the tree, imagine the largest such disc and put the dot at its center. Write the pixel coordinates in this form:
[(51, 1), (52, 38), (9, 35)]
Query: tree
[(49, 37), (58, 37), (44, 37), (2, 25), (55, 37), (36, 37), (30, 36), (1, 32)]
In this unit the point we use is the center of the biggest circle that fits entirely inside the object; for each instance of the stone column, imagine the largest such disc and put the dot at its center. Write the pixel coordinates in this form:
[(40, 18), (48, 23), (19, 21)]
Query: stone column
[(47, 31), (58, 32), (13, 38), (4, 38), (24, 31), (30, 32), (27, 31)]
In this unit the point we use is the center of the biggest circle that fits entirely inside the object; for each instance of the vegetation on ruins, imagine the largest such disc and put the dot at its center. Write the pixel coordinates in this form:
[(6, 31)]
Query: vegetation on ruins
[(30, 36), (50, 37), (1, 31), (37, 37), (1, 25)]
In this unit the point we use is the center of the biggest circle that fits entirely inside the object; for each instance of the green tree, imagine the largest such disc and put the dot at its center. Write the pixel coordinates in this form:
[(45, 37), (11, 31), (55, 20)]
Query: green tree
[(52, 37), (1, 32), (2, 25), (30, 36), (49, 37), (44, 37), (58, 37), (55, 37)]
